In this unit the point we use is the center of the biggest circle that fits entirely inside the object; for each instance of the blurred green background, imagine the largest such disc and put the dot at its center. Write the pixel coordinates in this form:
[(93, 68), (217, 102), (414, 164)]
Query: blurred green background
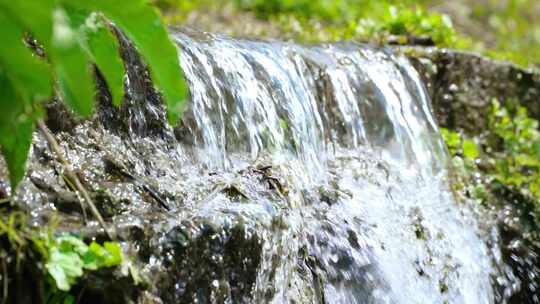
[(502, 29)]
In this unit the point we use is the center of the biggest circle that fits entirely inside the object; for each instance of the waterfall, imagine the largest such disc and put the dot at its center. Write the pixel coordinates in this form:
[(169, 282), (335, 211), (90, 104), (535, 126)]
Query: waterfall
[(343, 134)]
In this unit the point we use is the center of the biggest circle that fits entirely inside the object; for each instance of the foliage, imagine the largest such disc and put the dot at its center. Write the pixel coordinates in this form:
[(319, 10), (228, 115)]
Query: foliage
[(334, 11), (65, 257), (500, 29), (457, 145), (357, 19), (406, 22), (69, 256), (508, 30), (72, 35), (518, 165), (327, 10), (386, 23), (509, 160)]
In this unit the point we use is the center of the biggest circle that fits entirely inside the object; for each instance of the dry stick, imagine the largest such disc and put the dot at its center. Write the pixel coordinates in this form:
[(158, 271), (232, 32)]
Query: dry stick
[(69, 172)]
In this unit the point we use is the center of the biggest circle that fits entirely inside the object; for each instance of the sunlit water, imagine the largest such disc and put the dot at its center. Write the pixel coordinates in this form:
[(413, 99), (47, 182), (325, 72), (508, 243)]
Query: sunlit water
[(367, 215)]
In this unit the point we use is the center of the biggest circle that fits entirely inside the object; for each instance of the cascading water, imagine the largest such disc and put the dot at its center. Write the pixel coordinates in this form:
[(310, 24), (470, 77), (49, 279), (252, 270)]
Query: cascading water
[(362, 212)]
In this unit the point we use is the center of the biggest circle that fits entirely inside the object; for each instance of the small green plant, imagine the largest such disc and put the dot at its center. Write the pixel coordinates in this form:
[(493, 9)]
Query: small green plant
[(326, 20), (518, 164), (68, 258), (322, 9), (360, 19), (465, 153), (65, 36), (65, 257), (406, 22), (509, 160), (458, 145)]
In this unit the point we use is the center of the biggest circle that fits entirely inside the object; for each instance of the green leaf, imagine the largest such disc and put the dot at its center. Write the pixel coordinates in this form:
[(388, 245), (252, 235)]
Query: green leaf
[(64, 267), (108, 255), (102, 47), (30, 76), (71, 243), (91, 260), (16, 130), (59, 276), (105, 52), (114, 254), (470, 149), (68, 256), (69, 299), (71, 65), (143, 26), (24, 80), (35, 16), (52, 27), (452, 140)]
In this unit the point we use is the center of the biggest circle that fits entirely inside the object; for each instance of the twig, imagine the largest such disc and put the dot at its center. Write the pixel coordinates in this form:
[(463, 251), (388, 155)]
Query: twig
[(69, 173), (73, 188)]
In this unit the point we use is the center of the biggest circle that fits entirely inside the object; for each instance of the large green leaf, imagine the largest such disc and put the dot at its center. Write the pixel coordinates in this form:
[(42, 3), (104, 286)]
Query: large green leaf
[(16, 130), (29, 74), (71, 65), (138, 20), (105, 52), (25, 81), (16, 139), (102, 47), (143, 26), (51, 26), (34, 15)]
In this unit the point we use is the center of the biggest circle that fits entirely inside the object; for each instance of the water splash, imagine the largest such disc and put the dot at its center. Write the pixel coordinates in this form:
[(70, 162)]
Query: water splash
[(367, 216)]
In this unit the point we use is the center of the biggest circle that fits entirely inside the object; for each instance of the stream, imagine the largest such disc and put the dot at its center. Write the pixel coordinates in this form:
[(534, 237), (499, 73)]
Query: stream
[(299, 174), (367, 215)]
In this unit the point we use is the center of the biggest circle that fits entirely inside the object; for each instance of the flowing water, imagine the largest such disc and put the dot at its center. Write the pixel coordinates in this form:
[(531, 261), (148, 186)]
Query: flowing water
[(344, 134)]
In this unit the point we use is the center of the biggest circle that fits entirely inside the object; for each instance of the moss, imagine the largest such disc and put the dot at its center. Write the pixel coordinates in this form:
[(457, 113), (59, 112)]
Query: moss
[(21, 254), (502, 166)]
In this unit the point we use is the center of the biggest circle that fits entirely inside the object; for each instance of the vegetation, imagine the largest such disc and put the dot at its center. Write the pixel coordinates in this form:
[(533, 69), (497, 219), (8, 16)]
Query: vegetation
[(68, 256), (52, 47), (508, 30), (361, 19), (316, 21), (65, 258), (503, 165), (72, 34), (56, 47), (500, 29)]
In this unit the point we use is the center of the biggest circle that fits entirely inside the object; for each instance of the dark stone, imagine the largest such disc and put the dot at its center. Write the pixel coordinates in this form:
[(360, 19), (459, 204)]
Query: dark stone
[(215, 264), (462, 86)]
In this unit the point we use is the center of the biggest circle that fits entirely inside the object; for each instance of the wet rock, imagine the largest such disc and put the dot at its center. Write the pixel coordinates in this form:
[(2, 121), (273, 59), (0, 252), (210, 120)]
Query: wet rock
[(208, 240), (463, 84), (214, 265)]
